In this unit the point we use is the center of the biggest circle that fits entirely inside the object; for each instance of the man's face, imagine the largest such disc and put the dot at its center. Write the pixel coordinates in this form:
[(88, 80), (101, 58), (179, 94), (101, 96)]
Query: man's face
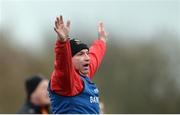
[(81, 61), (40, 94)]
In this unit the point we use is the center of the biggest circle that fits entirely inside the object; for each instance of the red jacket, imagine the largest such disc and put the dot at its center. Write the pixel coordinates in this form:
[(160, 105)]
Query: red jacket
[(65, 80)]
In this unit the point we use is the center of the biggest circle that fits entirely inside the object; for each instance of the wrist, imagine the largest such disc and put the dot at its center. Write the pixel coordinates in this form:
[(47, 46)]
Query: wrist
[(104, 39), (63, 38)]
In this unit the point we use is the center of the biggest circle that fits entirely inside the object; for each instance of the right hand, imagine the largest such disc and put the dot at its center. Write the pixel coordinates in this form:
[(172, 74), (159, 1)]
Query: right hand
[(61, 29)]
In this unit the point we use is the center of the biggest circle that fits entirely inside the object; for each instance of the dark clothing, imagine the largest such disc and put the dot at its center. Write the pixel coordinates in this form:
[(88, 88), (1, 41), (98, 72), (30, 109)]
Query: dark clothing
[(29, 108)]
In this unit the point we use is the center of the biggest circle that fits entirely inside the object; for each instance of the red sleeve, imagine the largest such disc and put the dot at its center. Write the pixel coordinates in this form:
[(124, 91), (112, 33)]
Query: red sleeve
[(64, 79), (96, 54)]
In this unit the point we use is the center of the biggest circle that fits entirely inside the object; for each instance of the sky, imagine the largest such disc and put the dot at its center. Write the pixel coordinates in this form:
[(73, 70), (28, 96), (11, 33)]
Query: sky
[(27, 20)]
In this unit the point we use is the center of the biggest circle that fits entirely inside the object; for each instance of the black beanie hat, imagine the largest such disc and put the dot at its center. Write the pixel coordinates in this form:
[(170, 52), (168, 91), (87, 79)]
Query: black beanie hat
[(31, 84), (77, 46)]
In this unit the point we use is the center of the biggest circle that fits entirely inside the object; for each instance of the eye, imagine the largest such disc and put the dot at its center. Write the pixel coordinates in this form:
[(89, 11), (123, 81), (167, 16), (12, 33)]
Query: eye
[(79, 54)]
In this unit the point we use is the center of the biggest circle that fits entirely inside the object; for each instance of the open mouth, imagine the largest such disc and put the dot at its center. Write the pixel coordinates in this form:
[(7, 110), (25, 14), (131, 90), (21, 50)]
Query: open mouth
[(86, 65)]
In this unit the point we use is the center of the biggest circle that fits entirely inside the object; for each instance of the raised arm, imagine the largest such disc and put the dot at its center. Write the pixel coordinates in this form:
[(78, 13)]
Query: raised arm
[(64, 80), (97, 50)]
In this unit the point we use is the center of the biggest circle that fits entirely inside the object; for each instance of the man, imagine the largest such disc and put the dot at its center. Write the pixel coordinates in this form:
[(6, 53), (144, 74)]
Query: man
[(71, 90), (37, 101)]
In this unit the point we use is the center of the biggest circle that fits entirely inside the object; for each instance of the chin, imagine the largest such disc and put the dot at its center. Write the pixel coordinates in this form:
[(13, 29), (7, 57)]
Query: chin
[(85, 72)]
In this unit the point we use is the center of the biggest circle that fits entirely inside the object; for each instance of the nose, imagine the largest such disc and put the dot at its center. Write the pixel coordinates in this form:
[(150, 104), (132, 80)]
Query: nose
[(87, 58)]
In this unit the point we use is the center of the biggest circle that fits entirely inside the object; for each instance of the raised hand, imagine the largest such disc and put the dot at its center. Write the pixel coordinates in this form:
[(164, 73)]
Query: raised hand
[(61, 29), (101, 32)]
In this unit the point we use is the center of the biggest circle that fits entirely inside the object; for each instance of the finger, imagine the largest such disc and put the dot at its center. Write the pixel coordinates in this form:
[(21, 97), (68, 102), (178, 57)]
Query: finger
[(102, 26), (55, 30), (68, 24), (58, 20), (56, 24), (61, 20)]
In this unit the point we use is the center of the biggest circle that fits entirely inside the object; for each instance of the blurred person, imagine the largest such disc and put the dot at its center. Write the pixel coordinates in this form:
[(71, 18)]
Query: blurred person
[(71, 89), (37, 101)]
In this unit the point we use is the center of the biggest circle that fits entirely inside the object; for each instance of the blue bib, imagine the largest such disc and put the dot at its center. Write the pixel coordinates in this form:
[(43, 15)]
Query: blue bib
[(87, 102)]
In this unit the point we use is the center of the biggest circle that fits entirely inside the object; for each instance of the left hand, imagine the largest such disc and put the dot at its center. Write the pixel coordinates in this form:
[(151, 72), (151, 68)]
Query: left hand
[(101, 32)]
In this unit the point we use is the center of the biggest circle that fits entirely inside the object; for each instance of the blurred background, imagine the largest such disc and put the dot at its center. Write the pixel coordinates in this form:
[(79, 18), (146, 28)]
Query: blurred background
[(141, 69)]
